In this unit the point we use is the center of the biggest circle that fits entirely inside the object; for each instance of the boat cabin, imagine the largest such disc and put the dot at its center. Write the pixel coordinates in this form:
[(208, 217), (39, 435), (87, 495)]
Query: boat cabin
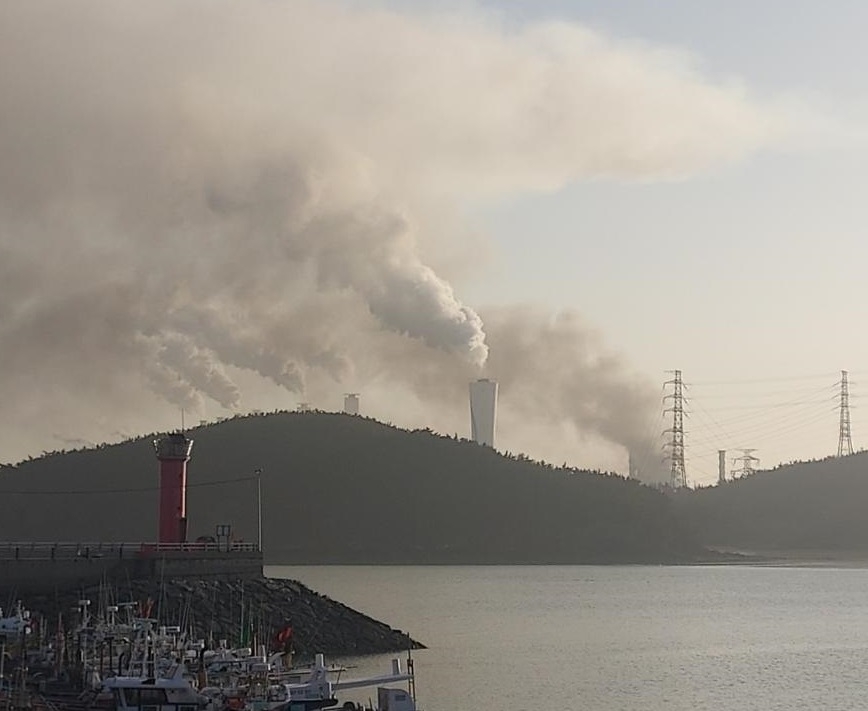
[(170, 693), (390, 699)]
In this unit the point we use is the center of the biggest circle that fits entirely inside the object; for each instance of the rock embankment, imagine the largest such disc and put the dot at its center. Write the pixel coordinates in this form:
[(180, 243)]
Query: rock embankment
[(248, 612)]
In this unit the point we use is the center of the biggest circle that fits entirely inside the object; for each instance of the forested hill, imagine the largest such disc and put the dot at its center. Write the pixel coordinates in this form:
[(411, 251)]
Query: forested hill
[(343, 489), (810, 509)]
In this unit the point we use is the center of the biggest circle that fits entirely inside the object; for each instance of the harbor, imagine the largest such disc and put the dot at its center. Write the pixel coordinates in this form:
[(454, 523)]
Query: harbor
[(177, 624), (120, 656)]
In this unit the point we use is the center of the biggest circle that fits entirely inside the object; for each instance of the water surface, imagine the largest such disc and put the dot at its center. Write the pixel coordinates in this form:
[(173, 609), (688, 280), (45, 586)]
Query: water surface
[(644, 638)]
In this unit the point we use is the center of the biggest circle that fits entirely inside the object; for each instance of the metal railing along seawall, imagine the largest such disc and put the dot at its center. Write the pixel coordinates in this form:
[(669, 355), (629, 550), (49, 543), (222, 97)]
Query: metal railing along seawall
[(68, 551)]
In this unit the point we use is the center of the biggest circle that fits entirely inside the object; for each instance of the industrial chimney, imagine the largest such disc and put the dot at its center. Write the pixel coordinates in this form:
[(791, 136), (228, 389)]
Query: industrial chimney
[(351, 403), (173, 452), (483, 411)]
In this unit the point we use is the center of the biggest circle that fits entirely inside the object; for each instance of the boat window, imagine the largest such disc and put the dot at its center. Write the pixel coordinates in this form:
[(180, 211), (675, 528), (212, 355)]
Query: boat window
[(145, 697), (152, 697)]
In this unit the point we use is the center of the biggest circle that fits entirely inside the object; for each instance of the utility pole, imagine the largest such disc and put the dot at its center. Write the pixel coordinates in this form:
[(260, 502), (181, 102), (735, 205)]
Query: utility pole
[(259, 509), (677, 473), (845, 444), (721, 466)]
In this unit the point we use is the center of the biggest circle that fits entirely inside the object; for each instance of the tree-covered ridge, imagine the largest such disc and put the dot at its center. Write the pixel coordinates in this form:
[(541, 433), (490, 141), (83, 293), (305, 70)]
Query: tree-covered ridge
[(345, 489), (817, 508)]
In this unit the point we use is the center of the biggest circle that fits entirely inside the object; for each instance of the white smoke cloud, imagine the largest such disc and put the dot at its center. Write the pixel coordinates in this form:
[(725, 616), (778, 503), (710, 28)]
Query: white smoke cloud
[(194, 190)]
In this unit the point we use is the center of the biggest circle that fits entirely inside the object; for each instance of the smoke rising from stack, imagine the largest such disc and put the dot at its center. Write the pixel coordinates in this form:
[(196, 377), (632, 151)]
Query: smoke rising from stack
[(558, 369), (191, 192)]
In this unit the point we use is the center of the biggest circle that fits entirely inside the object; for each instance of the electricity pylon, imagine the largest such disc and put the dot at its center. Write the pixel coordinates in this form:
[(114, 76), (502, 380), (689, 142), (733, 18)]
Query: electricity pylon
[(748, 462), (677, 472), (845, 444)]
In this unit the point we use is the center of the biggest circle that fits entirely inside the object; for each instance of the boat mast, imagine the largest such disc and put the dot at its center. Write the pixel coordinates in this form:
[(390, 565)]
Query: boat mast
[(411, 682)]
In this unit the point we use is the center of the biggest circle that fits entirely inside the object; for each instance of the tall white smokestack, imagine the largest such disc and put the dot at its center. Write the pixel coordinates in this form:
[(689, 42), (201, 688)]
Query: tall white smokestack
[(483, 411), (351, 404)]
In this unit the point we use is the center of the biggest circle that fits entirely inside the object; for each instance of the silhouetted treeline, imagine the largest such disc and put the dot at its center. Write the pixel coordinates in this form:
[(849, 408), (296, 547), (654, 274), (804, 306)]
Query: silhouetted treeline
[(344, 489)]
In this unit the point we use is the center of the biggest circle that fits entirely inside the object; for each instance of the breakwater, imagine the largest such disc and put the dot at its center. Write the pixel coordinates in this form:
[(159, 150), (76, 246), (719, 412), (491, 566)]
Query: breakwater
[(217, 595), (243, 612)]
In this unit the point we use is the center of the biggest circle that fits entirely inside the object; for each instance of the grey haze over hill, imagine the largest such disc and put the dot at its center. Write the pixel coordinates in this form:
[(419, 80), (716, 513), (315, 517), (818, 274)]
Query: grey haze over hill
[(212, 206)]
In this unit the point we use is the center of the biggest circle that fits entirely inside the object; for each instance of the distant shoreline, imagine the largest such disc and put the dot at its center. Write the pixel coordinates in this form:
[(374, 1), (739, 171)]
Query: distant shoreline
[(790, 558), (717, 557)]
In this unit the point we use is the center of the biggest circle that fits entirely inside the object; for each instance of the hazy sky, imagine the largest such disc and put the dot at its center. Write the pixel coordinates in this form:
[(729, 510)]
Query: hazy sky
[(236, 206), (750, 271)]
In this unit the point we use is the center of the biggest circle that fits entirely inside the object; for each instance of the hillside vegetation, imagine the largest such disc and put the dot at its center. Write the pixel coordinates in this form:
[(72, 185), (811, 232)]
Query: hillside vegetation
[(343, 489), (812, 508)]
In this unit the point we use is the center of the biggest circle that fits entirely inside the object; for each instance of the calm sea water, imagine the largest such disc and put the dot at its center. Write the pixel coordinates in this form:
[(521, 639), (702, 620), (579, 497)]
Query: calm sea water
[(644, 638)]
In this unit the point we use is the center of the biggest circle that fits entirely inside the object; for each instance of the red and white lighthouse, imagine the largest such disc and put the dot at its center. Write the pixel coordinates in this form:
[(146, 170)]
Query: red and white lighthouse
[(173, 451)]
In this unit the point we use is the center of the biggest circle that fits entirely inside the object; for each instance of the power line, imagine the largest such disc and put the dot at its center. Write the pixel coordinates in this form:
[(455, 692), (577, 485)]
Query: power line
[(120, 491), (777, 430), (704, 413), (753, 381), (783, 423), (822, 396), (808, 406), (787, 393), (772, 405), (767, 425), (773, 413)]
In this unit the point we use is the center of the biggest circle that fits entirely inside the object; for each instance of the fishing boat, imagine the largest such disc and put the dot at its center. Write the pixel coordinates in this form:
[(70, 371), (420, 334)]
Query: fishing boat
[(389, 698), (319, 691), (16, 624), (130, 663), (172, 692), (175, 690)]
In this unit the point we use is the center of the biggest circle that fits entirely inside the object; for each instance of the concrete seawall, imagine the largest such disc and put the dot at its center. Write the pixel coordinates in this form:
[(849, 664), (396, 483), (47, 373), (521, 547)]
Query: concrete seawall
[(35, 567)]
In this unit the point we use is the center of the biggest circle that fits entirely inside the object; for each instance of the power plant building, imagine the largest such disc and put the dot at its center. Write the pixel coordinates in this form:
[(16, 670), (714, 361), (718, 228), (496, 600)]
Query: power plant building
[(483, 411)]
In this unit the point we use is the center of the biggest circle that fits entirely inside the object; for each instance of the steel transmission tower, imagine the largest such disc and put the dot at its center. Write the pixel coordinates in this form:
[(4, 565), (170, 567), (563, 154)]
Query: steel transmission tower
[(748, 464), (845, 444), (677, 473)]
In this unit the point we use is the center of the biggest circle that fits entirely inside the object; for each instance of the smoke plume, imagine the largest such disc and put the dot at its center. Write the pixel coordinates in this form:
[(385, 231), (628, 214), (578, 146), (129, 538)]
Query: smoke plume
[(193, 192)]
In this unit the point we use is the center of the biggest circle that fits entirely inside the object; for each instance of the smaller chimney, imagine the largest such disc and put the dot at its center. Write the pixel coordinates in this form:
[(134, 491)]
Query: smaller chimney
[(351, 404)]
